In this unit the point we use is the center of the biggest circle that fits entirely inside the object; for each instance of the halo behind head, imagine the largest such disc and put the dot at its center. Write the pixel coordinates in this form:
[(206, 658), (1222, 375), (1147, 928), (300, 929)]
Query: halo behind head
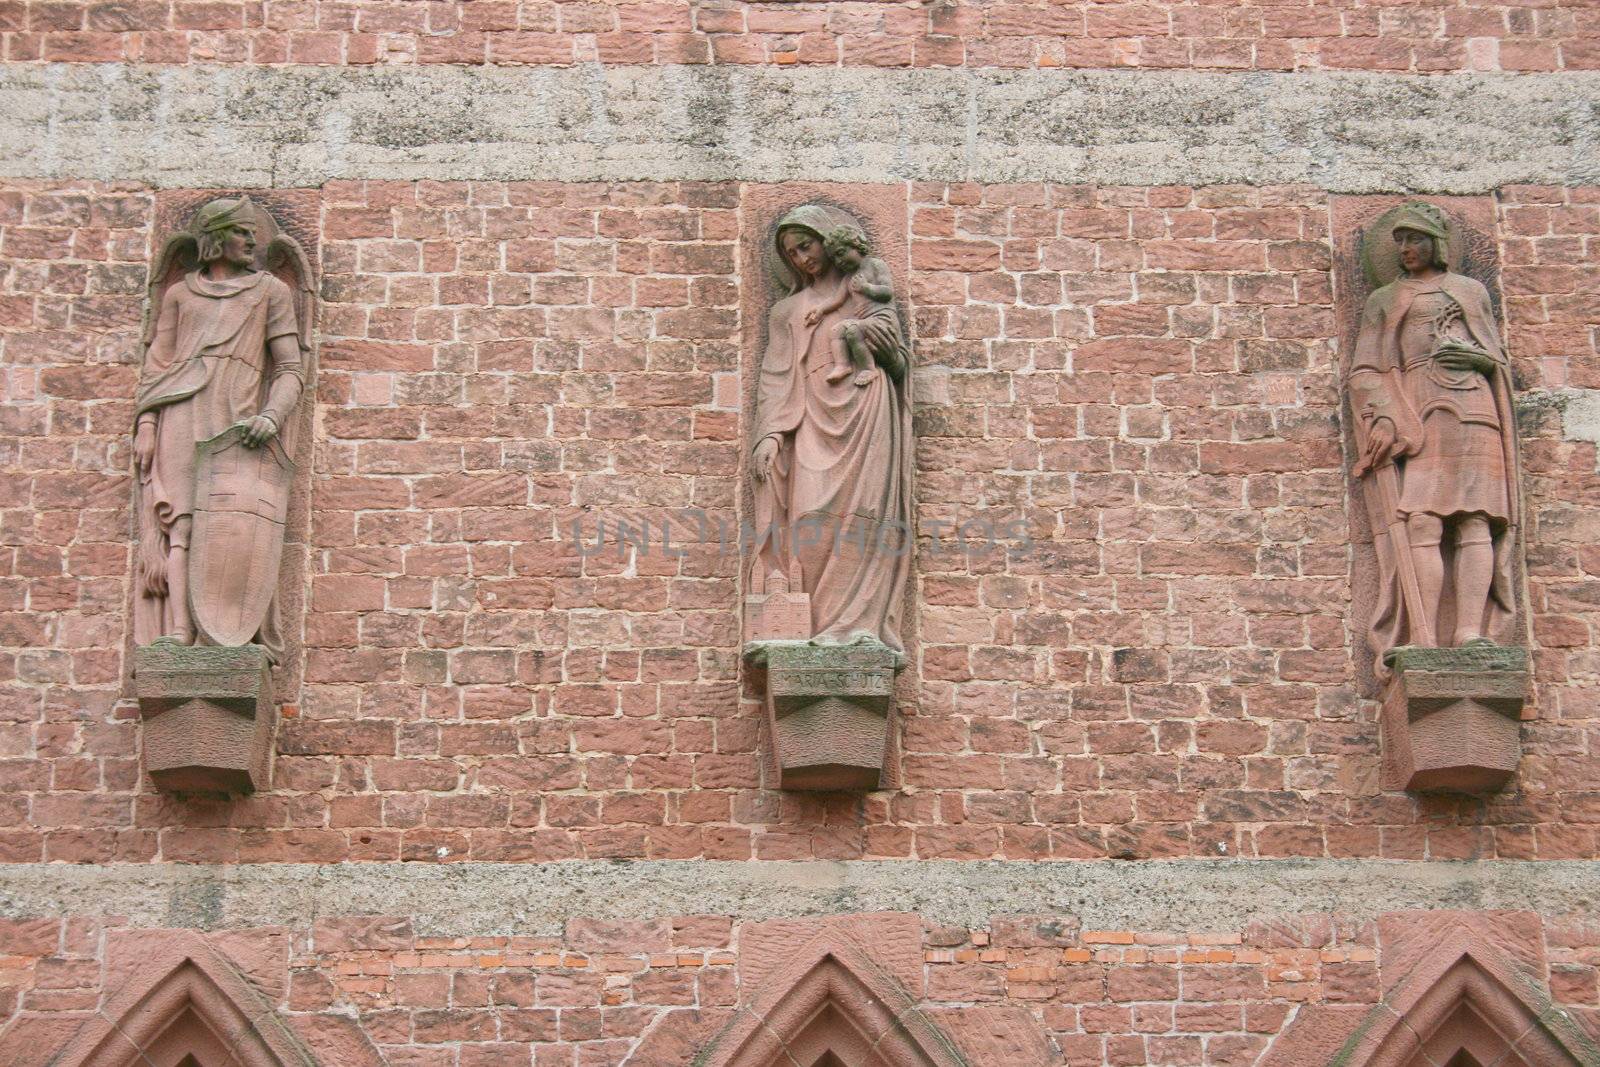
[(1380, 258), (820, 219)]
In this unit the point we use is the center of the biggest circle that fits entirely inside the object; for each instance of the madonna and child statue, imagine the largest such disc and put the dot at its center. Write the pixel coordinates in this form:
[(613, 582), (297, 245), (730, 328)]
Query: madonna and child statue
[(830, 464)]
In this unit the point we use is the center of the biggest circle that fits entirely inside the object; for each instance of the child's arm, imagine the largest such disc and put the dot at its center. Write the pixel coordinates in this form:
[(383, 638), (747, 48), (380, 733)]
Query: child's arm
[(814, 316), (874, 281)]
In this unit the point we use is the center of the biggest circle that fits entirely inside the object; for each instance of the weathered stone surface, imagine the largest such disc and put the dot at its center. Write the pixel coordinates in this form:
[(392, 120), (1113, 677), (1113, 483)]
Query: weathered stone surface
[(1450, 717), (829, 709), (214, 447), (209, 716), (1473, 659), (538, 899), (203, 126)]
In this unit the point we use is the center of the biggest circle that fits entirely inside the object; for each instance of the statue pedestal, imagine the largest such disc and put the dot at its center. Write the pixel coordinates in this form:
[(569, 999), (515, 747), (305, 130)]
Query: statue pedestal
[(209, 718), (1450, 720), (828, 706)]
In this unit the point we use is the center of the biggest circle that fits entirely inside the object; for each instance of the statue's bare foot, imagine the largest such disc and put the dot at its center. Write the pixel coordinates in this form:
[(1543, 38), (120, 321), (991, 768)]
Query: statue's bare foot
[(863, 377), (838, 374)]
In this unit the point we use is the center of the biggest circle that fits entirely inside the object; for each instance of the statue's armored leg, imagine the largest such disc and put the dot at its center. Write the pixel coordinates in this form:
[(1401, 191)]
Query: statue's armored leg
[(1474, 575), (181, 627), (1425, 532)]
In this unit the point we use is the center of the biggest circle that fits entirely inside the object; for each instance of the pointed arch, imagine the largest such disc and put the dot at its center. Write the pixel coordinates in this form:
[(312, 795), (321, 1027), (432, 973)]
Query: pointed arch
[(830, 1004), (1466, 1002), (183, 1004), (1463, 1002)]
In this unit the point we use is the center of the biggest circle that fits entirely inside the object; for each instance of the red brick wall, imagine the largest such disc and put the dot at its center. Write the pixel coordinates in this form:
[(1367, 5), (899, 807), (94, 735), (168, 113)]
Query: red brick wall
[(1145, 376), (1344, 35), (1123, 997)]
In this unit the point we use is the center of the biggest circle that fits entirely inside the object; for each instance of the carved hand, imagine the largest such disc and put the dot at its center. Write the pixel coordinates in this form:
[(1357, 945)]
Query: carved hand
[(259, 430), (153, 568), (813, 316), (144, 445), (1460, 358), (1380, 447), (766, 452)]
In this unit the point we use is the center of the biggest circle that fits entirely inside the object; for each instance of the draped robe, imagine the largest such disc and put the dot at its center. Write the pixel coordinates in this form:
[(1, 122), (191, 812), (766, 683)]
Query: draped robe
[(208, 367), (834, 516)]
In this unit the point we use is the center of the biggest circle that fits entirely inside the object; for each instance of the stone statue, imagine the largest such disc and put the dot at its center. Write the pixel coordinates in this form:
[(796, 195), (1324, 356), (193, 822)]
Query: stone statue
[(224, 367), (1431, 393), (832, 443), (227, 351), (831, 464), (1436, 453)]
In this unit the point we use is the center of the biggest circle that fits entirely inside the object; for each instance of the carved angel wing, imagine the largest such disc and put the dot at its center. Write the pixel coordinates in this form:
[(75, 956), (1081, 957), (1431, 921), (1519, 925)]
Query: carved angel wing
[(180, 253), (287, 261)]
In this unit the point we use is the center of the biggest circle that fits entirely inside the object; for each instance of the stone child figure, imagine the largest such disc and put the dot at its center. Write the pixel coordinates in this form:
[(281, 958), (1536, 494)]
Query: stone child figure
[(223, 372), (868, 276), (1430, 390)]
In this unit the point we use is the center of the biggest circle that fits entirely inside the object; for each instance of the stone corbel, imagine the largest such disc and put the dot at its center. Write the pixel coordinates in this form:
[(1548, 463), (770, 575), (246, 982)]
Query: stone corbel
[(828, 707)]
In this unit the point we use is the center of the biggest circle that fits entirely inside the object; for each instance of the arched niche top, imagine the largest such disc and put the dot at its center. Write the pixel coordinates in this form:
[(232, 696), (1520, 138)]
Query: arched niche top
[(819, 996), (1459, 999), (181, 1004), (831, 1004)]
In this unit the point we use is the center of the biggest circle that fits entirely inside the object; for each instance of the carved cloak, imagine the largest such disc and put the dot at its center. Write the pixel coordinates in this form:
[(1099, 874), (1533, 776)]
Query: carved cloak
[(1378, 390)]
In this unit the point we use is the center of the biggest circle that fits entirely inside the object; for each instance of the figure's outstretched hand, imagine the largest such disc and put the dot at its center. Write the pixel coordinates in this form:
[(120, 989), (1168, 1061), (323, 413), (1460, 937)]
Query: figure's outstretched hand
[(761, 461), (813, 316), (144, 446), (259, 430)]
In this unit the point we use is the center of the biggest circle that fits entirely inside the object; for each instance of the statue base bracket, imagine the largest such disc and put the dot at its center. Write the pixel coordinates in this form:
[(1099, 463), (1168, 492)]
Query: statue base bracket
[(209, 718), (828, 706), (1450, 717)]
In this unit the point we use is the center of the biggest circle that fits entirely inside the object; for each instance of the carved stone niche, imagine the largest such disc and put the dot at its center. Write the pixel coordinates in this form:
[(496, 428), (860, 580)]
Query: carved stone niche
[(828, 402), (1439, 586), (220, 432)]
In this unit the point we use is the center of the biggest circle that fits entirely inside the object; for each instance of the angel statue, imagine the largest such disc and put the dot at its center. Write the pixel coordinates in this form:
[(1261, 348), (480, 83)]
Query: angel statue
[(1431, 391), (226, 348)]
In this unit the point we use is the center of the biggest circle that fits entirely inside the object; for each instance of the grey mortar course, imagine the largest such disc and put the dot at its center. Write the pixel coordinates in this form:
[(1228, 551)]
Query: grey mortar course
[(218, 126), (536, 899)]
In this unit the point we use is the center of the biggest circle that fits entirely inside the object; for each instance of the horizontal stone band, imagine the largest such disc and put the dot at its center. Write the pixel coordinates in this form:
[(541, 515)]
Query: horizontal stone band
[(212, 126), (536, 899)]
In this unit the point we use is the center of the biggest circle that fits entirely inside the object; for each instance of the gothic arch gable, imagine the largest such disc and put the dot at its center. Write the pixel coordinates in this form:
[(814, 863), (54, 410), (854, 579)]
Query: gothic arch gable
[(181, 1002), (1460, 998), (842, 990), (830, 999)]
